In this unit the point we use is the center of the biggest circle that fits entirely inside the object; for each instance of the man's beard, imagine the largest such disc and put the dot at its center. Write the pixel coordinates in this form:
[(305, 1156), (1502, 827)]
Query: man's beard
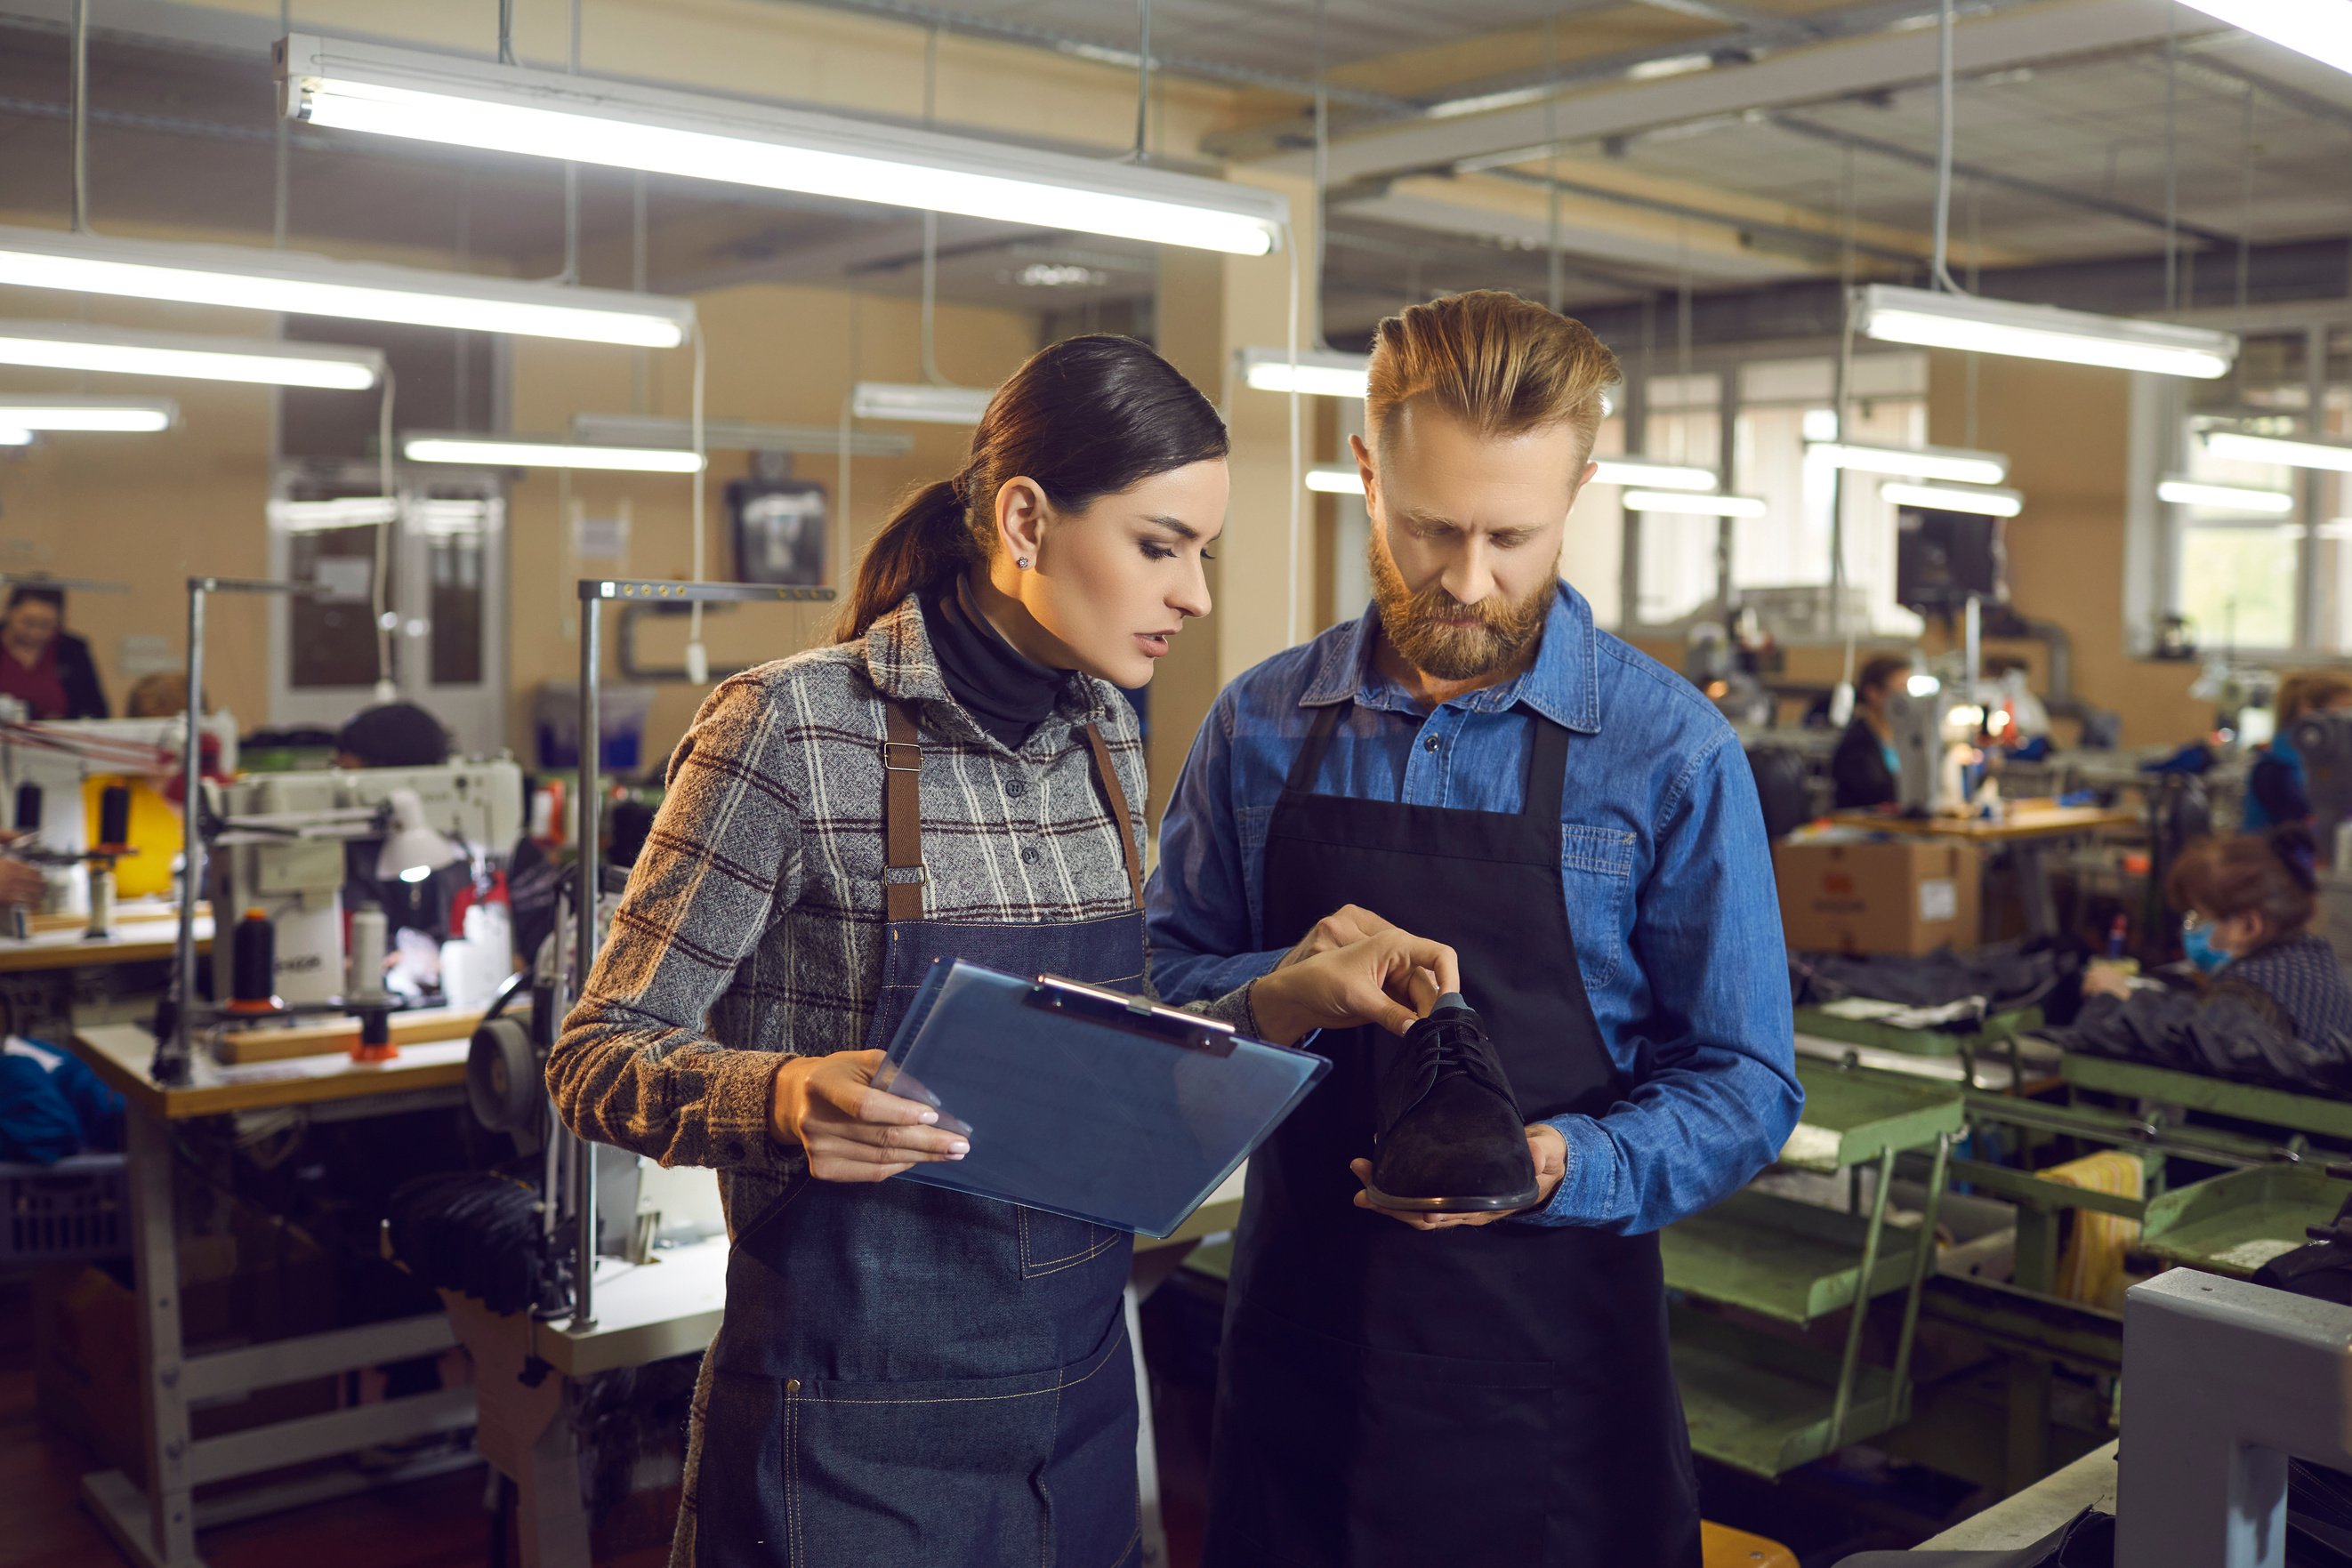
[(1415, 623)]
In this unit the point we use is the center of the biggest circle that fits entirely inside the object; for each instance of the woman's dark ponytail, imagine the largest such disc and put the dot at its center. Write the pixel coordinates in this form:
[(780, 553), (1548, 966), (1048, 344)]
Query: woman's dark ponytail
[(925, 540), (1084, 418)]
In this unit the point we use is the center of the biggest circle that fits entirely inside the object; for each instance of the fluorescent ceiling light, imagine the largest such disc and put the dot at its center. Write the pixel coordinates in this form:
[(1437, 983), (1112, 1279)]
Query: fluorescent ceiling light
[(2223, 497), (1671, 66), (139, 414), (301, 285), (1984, 502), (734, 436), (2294, 453), (580, 119), (1654, 475), (1947, 463), (67, 347), (493, 453), (10, 436), (343, 512), (1334, 479), (1695, 505), (919, 403), (1317, 373), (2319, 28), (1939, 320)]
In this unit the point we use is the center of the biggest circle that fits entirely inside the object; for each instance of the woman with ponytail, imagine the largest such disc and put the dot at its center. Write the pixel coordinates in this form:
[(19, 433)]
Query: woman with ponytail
[(906, 1373)]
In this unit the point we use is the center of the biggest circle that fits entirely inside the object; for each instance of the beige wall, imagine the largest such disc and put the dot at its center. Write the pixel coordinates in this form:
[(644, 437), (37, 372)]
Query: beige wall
[(2064, 428), (780, 355)]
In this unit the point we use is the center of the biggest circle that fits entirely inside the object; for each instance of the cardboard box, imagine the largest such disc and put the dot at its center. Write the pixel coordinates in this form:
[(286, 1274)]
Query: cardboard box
[(1858, 894)]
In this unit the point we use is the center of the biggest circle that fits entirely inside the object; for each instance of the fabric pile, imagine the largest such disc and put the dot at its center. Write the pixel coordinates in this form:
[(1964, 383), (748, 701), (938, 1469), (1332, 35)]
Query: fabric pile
[(52, 1107)]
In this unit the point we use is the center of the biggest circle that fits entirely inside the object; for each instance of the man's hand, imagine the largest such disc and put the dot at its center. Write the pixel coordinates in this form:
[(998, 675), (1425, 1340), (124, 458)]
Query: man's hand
[(1349, 923), (851, 1130), (1388, 978), (1544, 1141)]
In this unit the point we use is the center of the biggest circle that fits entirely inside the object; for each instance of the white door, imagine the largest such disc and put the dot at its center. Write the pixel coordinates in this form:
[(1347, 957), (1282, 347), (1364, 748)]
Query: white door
[(445, 551)]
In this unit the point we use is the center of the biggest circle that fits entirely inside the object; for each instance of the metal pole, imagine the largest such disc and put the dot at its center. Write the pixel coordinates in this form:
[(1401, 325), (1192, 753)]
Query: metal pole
[(583, 1173), (1973, 644), (1850, 1364), (172, 1057)]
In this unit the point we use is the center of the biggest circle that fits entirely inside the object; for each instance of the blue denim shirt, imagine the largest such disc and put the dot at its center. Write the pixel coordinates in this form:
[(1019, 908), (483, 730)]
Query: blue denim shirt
[(1663, 855)]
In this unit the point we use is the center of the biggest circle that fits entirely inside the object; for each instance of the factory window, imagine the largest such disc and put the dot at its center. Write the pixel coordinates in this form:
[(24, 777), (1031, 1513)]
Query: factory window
[(2267, 576), (1780, 561)]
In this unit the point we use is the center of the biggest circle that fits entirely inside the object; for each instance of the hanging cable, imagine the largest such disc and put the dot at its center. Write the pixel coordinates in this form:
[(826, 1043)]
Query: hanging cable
[(386, 689), (698, 657), (930, 227), (78, 86), (505, 33), (638, 358), (2245, 236), (1297, 486), (283, 135), (1322, 175), (1142, 152), (2171, 159), (1554, 283), (1942, 275)]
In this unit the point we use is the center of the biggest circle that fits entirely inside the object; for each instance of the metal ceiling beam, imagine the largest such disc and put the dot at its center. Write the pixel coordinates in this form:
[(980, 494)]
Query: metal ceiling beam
[(1800, 125), (1426, 209), (2294, 98), (1010, 32), (1824, 242), (1824, 72)]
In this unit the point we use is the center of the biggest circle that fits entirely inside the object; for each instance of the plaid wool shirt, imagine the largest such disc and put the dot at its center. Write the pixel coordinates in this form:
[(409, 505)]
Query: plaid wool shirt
[(752, 924)]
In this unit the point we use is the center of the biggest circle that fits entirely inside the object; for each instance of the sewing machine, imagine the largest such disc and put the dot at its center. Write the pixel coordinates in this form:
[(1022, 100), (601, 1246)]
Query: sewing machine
[(51, 772), (1935, 723), (281, 842)]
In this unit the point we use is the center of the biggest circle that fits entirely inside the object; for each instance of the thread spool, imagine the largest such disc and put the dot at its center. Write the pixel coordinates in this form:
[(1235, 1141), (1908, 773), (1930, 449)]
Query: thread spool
[(101, 899), (364, 970), (253, 965), (114, 816)]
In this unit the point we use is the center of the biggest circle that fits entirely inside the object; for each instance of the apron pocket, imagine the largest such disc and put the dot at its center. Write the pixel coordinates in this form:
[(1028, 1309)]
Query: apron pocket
[(1051, 1242), (1037, 1467), (1333, 1454)]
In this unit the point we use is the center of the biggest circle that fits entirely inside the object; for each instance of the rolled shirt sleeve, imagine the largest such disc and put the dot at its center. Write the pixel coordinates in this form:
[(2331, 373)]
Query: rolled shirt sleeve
[(1721, 1033)]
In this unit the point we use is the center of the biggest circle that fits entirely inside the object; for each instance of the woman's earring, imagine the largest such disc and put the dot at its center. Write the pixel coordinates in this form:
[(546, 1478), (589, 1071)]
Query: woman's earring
[(1022, 561)]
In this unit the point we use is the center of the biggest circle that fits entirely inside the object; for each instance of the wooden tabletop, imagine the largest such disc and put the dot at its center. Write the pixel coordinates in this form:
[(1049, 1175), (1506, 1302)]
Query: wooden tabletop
[(2026, 821), (136, 939), (121, 1054)]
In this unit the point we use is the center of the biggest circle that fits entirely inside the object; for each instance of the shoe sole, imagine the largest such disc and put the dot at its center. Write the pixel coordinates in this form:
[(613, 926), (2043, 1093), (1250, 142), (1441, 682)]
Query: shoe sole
[(1380, 1199)]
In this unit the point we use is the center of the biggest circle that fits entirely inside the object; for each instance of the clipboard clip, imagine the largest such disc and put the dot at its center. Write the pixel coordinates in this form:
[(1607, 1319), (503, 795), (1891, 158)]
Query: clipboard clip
[(1189, 1031)]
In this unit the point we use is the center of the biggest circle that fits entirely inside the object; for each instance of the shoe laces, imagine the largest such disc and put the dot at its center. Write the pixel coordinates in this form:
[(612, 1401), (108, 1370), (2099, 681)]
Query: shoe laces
[(1460, 1045)]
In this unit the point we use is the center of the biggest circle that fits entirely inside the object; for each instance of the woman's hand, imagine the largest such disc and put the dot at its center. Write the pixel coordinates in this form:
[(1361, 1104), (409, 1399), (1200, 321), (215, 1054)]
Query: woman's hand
[(1388, 978), (851, 1130)]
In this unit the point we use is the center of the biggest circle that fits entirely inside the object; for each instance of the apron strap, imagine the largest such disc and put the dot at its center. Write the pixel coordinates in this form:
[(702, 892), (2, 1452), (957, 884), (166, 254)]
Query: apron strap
[(1309, 760), (1546, 768), (902, 815), (1119, 814)]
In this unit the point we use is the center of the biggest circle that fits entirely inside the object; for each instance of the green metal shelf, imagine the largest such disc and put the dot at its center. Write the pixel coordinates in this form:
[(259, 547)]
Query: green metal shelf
[(2234, 1224), (1781, 1258), (1995, 1030), (1854, 1117), (1763, 1405), (2311, 1114)]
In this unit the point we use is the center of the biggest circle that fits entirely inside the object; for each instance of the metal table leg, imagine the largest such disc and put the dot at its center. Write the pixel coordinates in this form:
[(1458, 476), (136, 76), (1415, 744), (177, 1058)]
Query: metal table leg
[(1147, 1442), (157, 1530)]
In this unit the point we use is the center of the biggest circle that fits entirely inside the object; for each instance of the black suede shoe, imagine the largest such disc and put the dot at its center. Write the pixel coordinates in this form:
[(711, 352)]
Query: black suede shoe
[(1450, 1136)]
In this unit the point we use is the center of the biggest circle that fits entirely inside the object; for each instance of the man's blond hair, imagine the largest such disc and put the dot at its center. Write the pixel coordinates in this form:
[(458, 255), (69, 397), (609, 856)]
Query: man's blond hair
[(1501, 364)]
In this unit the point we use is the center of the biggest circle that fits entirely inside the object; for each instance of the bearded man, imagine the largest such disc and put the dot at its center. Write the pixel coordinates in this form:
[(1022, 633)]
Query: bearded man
[(1473, 758)]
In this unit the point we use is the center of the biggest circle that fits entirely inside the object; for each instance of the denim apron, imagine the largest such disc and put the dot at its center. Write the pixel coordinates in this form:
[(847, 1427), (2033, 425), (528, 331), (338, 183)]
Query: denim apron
[(909, 1377), (1494, 1396)]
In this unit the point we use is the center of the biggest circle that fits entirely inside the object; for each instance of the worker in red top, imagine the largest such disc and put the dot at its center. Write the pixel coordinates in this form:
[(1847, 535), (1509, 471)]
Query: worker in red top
[(46, 667)]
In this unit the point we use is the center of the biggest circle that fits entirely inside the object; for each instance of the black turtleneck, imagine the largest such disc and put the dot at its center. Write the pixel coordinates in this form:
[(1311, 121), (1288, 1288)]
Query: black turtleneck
[(1007, 693)]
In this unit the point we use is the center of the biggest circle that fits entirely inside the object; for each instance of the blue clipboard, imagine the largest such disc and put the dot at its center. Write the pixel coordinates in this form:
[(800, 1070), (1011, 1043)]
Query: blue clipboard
[(1085, 1102)]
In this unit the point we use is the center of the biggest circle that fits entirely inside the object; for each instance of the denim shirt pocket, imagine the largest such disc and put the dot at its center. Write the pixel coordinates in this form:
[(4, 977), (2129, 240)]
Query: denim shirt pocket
[(1596, 870)]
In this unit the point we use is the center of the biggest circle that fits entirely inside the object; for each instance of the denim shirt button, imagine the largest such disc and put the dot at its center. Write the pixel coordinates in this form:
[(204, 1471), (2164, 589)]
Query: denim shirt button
[(1430, 744)]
